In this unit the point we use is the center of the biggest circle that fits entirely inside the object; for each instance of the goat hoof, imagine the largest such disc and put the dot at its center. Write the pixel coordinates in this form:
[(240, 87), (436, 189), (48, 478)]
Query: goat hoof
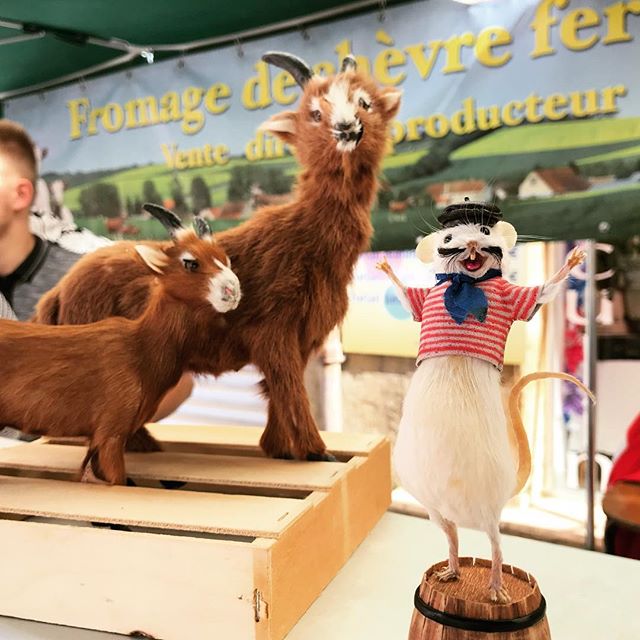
[(284, 456), (130, 483), (172, 484), (321, 457)]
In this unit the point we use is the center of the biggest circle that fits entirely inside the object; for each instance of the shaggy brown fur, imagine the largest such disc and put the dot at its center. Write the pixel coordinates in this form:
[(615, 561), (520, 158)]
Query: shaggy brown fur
[(294, 262), (105, 380)]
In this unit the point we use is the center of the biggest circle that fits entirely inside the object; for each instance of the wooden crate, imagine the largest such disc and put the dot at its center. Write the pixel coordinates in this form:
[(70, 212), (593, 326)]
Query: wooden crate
[(240, 552)]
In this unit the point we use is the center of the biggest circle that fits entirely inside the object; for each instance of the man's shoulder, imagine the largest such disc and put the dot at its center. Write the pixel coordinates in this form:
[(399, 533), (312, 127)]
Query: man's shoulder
[(59, 256)]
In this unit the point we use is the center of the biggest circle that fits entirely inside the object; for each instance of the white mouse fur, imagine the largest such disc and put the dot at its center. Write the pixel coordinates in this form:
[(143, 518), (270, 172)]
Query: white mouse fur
[(454, 452)]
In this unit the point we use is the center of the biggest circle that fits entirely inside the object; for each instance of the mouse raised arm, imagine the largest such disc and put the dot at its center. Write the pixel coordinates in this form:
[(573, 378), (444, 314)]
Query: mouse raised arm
[(552, 287)]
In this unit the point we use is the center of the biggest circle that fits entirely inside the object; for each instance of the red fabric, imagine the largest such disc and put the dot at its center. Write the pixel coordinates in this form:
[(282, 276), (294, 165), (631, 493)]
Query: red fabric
[(623, 541), (626, 467), (441, 335)]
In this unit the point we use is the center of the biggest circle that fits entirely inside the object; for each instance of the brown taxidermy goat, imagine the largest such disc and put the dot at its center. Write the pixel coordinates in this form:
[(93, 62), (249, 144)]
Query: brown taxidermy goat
[(105, 380), (294, 260)]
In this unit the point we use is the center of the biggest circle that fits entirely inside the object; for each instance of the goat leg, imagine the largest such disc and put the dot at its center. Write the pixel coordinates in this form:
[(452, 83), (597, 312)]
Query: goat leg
[(291, 430), (142, 441)]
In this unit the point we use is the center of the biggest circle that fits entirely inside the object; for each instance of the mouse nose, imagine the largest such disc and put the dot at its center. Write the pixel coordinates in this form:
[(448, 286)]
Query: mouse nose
[(344, 126), (472, 245)]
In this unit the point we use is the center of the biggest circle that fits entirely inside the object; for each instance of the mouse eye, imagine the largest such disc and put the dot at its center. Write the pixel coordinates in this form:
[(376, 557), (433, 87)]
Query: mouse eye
[(447, 238), (485, 230), (190, 264)]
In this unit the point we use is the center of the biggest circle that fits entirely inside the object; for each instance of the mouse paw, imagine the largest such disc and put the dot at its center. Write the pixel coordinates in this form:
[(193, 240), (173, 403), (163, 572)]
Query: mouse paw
[(447, 574), (501, 596)]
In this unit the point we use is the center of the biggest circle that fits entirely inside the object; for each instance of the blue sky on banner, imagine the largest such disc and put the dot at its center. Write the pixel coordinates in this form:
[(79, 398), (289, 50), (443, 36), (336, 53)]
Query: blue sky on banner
[(47, 116)]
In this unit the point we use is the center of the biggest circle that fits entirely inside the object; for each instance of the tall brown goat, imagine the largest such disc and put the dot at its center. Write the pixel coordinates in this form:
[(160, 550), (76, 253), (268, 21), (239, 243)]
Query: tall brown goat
[(294, 260), (105, 380)]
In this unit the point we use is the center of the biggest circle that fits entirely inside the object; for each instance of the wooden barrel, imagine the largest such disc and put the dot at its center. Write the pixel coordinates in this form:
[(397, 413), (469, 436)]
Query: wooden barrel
[(461, 609)]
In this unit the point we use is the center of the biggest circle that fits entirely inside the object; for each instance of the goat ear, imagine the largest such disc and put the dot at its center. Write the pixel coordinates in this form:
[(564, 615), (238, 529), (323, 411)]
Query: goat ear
[(426, 247), (153, 258), (169, 220), (282, 125), (201, 227), (508, 232), (390, 99)]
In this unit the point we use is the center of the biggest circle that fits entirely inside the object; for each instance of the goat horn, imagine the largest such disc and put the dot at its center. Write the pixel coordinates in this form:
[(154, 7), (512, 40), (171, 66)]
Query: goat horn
[(169, 220), (297, 67), (349, 63), (201, 227)]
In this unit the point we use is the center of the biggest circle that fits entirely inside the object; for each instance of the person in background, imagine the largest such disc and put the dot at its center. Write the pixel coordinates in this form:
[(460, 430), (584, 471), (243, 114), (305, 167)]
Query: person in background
[(29, 264)]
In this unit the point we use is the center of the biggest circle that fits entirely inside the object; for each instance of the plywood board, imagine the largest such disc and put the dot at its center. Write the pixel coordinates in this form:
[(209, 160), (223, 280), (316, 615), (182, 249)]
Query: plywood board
[(227, 471), (168, 587), (239, 515), (247, 439)]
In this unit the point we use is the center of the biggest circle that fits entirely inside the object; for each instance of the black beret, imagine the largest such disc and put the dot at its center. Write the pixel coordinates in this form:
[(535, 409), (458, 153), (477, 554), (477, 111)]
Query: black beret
[(470, 213)]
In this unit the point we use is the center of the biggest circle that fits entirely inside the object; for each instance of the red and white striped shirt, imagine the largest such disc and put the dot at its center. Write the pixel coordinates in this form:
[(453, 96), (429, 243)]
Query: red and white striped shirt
[(440, 335)]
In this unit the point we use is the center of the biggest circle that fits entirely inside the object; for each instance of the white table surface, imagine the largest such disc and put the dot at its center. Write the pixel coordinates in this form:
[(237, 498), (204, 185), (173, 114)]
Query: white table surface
[(590, 596)]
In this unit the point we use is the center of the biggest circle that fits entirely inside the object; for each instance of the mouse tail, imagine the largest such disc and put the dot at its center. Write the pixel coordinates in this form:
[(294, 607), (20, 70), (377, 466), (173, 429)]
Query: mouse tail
[(522, 442)]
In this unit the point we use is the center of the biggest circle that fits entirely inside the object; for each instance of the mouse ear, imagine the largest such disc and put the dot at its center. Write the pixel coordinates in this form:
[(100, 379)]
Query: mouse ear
[(508, 232), (426, 247)]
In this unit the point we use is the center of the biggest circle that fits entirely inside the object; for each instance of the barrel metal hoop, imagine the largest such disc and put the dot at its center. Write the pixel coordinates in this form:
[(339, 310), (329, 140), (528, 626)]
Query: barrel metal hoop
[(476, 624)]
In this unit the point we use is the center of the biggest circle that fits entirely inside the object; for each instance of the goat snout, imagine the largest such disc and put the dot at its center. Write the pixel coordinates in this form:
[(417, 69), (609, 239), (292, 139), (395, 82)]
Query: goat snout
[(224, 291), (348, 134)]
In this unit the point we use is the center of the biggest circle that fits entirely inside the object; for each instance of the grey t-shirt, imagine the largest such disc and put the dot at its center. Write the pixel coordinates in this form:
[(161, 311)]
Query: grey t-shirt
[(6, 312), (50, 264)]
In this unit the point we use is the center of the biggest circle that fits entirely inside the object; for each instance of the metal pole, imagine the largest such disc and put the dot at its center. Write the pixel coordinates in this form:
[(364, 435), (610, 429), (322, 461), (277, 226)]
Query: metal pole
[(590, 360)]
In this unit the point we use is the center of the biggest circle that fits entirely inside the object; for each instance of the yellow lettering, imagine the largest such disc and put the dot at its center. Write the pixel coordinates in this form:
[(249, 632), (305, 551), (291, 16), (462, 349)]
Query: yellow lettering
[(508, 116), (221, 154), (532, 102), (180, 160), (454, 48), (617, 21), (169, 154), (215, 94), (384, 61), (397, 131), (96, 113), (78, 113), (281, 82), (193, 117), (413, 129), (170, 107), (551, 105), (487, 40), (436, 126), (424, 65), (584, 104), (255, 93), (609, 95), (112, 117), (142, 112), (541, 25), (574, 22), (492, 121), (463, 121)]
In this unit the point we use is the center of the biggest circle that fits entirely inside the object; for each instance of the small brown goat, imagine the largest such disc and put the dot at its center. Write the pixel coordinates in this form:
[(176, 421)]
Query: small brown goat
[(105, 380), (294, 260)]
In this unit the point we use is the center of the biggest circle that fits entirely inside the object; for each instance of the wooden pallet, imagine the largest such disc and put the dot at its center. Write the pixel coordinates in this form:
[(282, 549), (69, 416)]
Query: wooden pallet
[(239, 552)]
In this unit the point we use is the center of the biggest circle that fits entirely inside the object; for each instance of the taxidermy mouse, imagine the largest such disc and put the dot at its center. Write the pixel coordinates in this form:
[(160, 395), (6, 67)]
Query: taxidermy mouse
[(455, 452)]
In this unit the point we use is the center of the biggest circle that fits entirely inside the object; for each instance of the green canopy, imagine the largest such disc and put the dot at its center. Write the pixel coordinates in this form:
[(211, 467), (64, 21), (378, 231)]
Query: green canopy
[(47, 40)]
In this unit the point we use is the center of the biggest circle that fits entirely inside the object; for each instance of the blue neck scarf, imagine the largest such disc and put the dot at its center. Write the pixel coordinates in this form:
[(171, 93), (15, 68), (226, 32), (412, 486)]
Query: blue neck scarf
[(462, 297)]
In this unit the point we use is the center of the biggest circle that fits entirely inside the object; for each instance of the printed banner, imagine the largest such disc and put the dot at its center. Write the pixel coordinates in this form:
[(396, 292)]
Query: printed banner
[(535, 105)]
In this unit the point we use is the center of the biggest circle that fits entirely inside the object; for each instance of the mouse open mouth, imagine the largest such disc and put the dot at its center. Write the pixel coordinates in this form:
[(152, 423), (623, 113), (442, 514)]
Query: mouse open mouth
[(475, 263)]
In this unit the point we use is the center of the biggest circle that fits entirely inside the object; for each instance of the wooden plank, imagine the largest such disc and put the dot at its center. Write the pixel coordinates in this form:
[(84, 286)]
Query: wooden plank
[(307, 556), (168, 587), (245, 440), (238, 515), (220, 471)]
